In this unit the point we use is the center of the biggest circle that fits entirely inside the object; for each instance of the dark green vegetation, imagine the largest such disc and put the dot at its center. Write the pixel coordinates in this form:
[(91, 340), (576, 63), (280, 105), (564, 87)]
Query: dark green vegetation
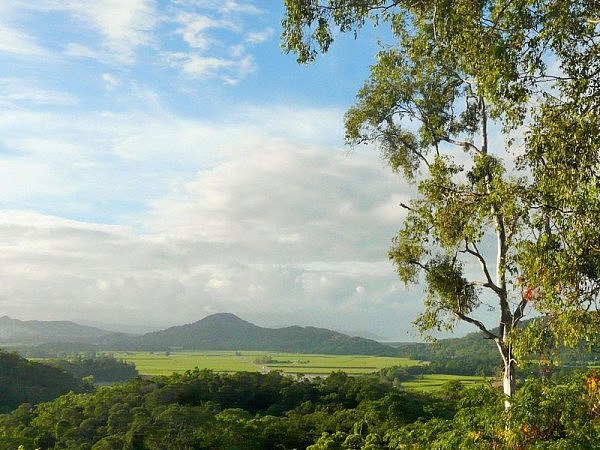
[(22, 381), (101, 369), (206, 410)]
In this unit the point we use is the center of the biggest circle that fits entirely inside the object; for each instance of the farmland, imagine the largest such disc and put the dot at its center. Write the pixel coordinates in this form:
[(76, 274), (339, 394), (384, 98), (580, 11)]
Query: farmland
[(155, 363)]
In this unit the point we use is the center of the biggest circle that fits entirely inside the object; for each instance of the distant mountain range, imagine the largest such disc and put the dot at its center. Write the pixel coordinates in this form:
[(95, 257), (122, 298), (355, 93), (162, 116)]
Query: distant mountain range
[(16, 331), (228, 332), (216, 332)]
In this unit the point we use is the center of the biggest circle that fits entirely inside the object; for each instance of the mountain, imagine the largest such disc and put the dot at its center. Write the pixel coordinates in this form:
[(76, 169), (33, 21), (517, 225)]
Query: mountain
[(36, 331), (225, 331)]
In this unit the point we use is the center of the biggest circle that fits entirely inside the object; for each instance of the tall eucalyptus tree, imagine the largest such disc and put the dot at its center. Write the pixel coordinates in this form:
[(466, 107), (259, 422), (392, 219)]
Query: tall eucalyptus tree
[(457, 74)]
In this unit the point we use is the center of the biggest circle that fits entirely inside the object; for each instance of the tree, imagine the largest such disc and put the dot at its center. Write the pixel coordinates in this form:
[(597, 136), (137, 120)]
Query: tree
[(459, 73)]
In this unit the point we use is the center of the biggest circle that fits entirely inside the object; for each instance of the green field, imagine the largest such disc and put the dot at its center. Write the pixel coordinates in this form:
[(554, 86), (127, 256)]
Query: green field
[(432, 382), (159, 363)]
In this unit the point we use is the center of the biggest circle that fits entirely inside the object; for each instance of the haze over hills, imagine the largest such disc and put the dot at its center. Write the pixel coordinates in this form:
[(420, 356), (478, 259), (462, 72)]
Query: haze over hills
[(221, 331), (38, 331), (226, 331)]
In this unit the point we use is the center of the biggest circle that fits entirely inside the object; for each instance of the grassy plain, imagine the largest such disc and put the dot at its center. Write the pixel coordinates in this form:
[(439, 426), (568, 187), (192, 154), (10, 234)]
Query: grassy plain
[(159, 363)]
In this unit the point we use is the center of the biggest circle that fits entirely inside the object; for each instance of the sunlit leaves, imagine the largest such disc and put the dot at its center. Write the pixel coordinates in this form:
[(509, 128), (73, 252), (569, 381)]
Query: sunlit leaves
[(455, 67)]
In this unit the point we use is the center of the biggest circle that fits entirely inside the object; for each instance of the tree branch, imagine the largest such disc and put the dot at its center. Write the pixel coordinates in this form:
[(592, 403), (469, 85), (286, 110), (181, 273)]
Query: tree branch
[(519, 312), (475, 252), (464, 144), (477, 323)]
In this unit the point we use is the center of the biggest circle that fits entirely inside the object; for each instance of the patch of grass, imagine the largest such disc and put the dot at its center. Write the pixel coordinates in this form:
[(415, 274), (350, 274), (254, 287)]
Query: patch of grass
[(432, 382)]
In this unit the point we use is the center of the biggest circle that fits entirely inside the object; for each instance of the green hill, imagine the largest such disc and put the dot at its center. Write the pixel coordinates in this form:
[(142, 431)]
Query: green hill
[(38, 331), (229, 332), (23, 381)]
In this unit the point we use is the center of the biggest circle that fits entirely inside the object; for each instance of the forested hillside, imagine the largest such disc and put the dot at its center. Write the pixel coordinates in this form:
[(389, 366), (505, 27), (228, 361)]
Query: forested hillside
[(229, 332), (23, 381), (205, 410)]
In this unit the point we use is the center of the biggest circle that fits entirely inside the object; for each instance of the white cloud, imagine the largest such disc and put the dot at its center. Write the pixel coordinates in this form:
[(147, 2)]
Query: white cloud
[(194, 27), (257, 37), (264, 224), (17, 91), (208, 29), (198, 66), (111, 80), (223, 6), (19, 43), (124, 25), (230, 6), (81, 51)]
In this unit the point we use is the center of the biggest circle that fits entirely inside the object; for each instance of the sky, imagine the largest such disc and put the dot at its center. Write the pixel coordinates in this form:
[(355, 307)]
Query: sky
[(161, 161)]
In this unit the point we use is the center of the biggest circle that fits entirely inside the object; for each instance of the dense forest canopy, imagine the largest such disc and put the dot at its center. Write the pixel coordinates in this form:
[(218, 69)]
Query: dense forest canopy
[(206, 410), (456, 73)]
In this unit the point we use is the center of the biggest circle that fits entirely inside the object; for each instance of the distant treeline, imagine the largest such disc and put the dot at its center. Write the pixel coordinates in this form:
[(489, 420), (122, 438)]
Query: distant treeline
[(475, 355), (103, 368)]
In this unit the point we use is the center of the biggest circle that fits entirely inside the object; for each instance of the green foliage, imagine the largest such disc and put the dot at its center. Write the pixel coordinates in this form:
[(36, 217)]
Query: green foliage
[(102, 368), (22, 381), (202, 409), (451, 71)]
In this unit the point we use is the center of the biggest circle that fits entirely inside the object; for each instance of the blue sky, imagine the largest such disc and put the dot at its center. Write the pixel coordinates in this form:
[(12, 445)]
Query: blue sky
[(161, 161)]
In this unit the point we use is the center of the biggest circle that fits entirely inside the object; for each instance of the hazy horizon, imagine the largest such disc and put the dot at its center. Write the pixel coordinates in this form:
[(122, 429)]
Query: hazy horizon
[(162, 161)]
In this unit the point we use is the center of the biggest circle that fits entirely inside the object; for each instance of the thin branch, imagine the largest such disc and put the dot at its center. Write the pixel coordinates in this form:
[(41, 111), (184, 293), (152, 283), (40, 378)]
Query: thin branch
[(419, 264), (519, 312), (477, 323), (464, 144), (476, 253)]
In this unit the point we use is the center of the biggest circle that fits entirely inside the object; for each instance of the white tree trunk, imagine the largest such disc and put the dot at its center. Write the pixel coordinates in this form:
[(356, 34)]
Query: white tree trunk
[(508, 381)]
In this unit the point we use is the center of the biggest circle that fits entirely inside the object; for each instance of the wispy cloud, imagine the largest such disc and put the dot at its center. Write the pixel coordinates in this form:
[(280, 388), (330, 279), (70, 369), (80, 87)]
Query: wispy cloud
[(223, 6), (19, 43), (209, 34), (256, 37), (194, 27), (124, 25), (230, 6), (17, 91), (111, 80), (198, 66)]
